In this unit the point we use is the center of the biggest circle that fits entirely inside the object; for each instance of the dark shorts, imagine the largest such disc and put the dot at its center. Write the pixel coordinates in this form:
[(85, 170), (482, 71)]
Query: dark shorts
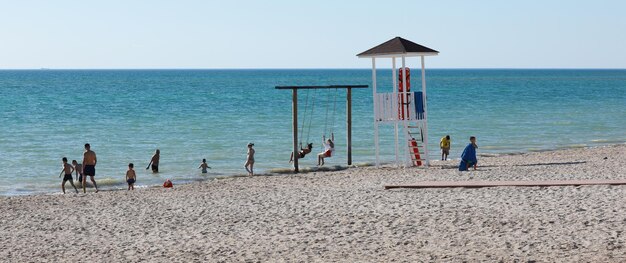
[(90, 170), (130, 181), (67, 177), (155, 168)]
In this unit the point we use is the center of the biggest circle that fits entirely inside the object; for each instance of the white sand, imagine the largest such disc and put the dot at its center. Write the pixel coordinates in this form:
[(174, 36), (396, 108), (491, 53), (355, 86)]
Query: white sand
[(338, 216)]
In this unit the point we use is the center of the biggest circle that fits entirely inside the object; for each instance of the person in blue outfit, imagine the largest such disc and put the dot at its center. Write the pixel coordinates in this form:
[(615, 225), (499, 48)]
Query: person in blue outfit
[(468, 157)]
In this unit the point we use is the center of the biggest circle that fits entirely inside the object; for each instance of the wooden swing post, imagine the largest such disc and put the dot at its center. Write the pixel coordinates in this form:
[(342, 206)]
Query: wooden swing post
[(294, 106), (349, 124)]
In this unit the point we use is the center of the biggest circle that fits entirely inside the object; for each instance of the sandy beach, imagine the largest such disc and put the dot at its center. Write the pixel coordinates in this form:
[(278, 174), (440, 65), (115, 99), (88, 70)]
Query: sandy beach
[(344, 216)]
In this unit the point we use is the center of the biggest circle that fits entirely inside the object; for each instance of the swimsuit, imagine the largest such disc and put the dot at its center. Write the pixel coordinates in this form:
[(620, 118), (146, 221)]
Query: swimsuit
[(204, 170), (79, 173), (130, 181), (328, 150), (67, 177), (90, 170), (155, 168)]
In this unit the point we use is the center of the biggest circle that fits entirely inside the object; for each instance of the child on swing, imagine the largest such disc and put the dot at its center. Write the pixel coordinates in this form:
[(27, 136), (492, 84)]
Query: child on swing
[(329, 147), (303, 152)]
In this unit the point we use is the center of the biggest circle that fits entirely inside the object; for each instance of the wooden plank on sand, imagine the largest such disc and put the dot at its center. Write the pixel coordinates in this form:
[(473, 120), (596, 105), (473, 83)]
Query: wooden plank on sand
[(480, 184)]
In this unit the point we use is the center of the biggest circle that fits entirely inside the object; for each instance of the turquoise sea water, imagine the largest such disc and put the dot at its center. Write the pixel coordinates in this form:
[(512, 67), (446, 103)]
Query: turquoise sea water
[(213, 114)]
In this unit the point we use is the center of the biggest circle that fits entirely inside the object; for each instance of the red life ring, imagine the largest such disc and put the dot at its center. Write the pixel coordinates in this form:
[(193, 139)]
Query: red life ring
[(401, 79), (403, 98)]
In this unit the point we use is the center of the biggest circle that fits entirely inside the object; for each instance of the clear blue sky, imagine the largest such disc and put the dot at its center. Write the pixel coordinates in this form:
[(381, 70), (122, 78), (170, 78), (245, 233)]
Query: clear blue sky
[(308, 34)]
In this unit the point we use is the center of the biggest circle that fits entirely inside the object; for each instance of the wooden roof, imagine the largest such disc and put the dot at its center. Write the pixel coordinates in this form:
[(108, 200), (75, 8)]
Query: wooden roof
[(398, 47)]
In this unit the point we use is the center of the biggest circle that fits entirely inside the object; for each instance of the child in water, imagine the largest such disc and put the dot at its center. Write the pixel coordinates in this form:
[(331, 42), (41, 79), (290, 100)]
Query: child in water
[(79, 171), (204, 166), (68, 170), (131, 177)]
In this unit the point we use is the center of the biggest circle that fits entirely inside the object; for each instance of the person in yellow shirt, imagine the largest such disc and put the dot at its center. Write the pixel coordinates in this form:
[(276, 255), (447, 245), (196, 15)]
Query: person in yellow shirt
[(444, 144)]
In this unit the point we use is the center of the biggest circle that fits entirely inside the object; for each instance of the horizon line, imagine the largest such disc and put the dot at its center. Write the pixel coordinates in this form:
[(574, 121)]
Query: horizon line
[(330, 68)]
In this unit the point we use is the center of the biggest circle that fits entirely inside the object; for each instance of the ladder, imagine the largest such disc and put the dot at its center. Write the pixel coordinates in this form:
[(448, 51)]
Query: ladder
[(415, 144)]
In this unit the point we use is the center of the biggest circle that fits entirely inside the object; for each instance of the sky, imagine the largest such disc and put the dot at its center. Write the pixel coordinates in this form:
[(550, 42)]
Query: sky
[(112, 34)]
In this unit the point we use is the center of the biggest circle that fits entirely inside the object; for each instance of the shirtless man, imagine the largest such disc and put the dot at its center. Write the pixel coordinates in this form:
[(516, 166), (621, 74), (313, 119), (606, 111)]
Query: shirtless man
[(154, 162), (89, 167)]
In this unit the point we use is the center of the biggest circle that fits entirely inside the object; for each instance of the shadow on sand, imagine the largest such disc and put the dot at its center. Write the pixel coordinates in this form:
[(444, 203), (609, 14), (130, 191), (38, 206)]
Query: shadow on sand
[(530, 164)]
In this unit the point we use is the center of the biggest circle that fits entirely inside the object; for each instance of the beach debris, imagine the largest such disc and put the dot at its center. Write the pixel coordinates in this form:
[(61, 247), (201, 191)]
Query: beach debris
[(168, 183)]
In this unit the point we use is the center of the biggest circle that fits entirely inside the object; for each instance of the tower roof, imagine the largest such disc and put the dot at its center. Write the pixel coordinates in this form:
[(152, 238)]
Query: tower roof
[(397, 47)]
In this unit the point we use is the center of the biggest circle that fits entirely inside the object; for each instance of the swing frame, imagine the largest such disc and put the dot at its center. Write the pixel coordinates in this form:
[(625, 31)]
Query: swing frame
[(294, 105)]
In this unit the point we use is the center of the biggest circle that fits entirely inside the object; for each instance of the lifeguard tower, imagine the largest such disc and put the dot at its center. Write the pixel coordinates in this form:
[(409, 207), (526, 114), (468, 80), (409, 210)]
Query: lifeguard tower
[(403, 108)]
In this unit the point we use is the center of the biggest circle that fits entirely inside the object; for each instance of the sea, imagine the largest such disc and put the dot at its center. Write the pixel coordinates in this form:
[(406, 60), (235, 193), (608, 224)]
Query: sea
[(189, 115)]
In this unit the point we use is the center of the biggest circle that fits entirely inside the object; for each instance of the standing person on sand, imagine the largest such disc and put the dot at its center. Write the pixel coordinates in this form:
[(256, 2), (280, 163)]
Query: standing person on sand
[(154, 162), (89, 167), (250, 160), (468, 158), (68, 170), (131, 177), (444, 144)]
